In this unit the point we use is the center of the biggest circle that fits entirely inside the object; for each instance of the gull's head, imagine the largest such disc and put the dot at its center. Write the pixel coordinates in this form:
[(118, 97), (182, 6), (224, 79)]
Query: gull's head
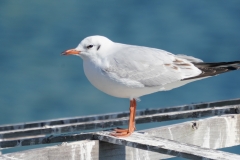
[(93, 46)]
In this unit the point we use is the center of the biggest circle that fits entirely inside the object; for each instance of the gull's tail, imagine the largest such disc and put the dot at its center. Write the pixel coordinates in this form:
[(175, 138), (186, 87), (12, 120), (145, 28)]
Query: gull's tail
[(212, 69)]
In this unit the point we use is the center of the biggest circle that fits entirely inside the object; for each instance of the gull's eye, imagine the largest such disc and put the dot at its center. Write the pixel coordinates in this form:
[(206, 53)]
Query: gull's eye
[(89, 46)]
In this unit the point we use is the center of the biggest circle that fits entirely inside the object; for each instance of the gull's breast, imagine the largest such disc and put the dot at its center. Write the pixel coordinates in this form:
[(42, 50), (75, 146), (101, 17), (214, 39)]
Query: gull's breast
[(111, 86)]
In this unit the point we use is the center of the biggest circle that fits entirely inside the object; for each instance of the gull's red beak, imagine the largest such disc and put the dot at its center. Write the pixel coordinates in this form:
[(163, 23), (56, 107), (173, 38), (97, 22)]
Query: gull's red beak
[(70, 52)]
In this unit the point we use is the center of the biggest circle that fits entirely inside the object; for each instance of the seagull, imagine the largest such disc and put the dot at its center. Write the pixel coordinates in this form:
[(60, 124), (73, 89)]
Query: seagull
[(130, 71)]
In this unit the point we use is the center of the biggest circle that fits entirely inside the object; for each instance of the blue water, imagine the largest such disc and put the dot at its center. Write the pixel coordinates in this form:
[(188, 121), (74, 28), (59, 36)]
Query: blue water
[(37, 83)]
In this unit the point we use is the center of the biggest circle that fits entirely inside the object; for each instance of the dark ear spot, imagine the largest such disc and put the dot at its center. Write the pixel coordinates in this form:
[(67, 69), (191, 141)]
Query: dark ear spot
[(98, 47)]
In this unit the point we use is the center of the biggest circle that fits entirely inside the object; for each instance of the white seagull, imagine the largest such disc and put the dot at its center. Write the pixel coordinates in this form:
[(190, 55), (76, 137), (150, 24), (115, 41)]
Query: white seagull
[(129, 71)]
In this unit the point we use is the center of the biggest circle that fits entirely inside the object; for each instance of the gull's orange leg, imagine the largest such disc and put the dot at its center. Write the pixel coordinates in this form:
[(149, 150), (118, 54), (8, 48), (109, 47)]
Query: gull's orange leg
[(131, 125), (134, 114), (132, 103)]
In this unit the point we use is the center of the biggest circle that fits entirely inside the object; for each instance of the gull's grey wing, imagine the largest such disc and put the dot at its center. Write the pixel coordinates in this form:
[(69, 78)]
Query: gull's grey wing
[(147, 66)]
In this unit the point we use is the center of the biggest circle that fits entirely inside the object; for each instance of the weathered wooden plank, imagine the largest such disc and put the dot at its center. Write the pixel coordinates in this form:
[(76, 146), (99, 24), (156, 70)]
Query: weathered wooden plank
[(55, 122), (119, 122), (226, 132), (84, 150), (81, 150), (165, 146), (91, 149), (188, 132), (215, 132)]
